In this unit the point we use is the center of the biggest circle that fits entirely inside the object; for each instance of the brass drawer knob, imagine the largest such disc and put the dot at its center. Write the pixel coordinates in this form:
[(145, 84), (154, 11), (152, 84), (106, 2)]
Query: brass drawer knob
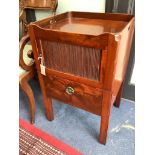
[(69, 90)]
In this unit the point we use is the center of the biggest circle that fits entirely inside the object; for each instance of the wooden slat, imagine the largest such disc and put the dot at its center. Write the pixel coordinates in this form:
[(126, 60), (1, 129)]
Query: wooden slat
[(105, 16), (99, 41), (76, 60)]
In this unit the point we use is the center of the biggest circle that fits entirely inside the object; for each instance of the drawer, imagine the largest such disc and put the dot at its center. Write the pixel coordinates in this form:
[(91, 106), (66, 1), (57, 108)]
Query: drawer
[(74, 93)]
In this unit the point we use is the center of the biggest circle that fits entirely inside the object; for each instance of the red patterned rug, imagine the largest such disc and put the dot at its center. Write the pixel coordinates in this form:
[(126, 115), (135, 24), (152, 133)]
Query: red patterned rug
[(33, 141)]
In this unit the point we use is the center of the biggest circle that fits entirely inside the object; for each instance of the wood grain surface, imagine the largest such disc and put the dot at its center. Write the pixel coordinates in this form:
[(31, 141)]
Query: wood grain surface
[(84, 97), (76, 60), (91, 62)]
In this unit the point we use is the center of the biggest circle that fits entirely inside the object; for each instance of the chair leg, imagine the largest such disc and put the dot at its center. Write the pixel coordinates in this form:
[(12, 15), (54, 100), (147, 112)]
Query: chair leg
[(106, 109), (29, 93), (47, 102), (118, 97)]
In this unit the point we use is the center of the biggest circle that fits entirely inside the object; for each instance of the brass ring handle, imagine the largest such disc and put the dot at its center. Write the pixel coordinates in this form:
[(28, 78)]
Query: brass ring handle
[(69, 90)]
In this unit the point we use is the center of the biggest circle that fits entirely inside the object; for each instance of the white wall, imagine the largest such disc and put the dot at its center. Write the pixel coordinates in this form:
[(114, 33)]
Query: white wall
[(40, 14), (132, 81), (81, 5), (74, 5)]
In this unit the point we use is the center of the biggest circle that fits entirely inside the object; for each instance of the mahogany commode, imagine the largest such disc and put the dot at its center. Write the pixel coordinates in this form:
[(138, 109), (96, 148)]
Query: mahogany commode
[(81, 59)]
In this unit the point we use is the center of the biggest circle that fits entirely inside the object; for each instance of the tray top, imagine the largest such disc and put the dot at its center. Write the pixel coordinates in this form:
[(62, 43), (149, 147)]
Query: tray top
[(87, 26), (87, 23)]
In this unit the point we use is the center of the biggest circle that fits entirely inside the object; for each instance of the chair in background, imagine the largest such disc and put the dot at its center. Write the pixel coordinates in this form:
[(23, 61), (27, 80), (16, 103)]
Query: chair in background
[(26, 68), (26, 62), (38, 9)]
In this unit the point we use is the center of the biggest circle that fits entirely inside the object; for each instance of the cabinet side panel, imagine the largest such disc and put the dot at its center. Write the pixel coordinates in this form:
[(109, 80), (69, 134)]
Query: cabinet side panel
[(122, 57)]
